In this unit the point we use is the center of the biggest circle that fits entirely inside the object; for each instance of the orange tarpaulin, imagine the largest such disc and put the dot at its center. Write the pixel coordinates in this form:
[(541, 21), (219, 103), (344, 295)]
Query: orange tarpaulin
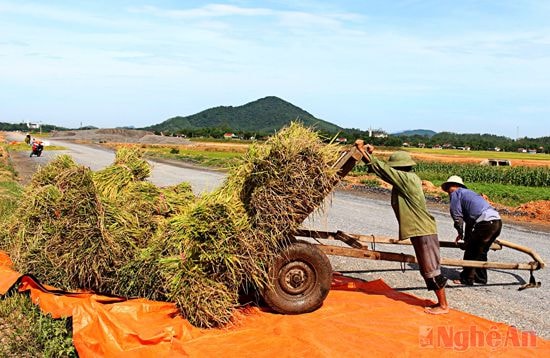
[(357, 319)]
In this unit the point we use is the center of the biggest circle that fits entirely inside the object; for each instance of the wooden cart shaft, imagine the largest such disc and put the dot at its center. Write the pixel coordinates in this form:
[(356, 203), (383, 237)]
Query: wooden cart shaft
[(357, 246)]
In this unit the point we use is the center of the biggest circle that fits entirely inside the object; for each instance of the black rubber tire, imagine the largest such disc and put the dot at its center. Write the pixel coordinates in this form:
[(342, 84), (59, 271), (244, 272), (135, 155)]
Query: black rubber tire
[(299, 279)]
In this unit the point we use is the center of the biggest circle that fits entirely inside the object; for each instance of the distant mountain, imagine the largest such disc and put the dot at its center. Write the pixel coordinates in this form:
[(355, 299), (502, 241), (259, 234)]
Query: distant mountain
[(264, 115), (421, 132)]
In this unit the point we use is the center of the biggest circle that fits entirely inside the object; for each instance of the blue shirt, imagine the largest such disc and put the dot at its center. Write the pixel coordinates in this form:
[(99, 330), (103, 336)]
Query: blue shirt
[(469, 207)]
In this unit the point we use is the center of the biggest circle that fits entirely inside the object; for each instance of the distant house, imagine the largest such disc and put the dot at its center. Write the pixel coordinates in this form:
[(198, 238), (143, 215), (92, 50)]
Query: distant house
[(406, 144), (33, 125), (532, 151), (230, 135), (497, 162), (522, 150), (377, 133), (421, 145), (437, 146), (341, 140), (463, 148), (447, 146)]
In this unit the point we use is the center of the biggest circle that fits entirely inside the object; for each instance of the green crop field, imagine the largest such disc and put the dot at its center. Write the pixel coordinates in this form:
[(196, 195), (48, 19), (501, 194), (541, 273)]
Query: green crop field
[(510, 186), (210, 158)]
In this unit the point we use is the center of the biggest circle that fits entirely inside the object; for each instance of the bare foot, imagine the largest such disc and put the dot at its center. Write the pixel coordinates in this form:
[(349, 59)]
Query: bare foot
[(462, 282), (437, 309)]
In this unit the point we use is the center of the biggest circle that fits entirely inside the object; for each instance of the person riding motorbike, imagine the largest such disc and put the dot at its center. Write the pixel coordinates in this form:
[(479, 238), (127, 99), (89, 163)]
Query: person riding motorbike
[(37, 148)]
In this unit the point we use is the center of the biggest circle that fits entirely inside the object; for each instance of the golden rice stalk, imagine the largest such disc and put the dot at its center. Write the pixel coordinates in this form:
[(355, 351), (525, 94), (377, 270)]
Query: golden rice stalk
[(128, 167), (177, 197)]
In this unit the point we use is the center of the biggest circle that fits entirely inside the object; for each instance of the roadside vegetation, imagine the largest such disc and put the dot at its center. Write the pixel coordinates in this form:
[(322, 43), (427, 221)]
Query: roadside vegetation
[(209, 158), (213, 154), (27, 332), (23, 147), (24, 330)]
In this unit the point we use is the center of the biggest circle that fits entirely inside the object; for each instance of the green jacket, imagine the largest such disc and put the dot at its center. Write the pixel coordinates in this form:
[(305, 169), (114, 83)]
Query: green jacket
[(407, 200)]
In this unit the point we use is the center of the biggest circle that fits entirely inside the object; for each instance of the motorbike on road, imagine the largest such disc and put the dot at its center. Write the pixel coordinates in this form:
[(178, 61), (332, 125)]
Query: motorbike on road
[(37, 149)]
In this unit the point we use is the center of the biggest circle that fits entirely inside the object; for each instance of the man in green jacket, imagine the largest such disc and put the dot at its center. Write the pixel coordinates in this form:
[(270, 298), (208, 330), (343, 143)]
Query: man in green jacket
[(415, 223)]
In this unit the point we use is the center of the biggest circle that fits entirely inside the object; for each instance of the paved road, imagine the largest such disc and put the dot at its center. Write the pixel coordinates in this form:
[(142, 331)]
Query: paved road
[(355, 213), (97, 158)]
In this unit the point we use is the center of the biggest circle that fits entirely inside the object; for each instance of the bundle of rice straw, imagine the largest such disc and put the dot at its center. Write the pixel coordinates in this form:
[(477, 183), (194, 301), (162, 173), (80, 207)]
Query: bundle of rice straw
[(58, 233), (129, 166), (285, 180), (177, 197), (206, 254), (78, 229)]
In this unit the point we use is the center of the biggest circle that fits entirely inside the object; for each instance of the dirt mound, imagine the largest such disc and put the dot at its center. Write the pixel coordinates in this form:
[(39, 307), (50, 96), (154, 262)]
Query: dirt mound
[(117, 135), (538, 210), (429, 188)]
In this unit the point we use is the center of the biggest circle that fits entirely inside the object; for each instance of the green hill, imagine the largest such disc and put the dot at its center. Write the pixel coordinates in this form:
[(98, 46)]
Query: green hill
[(262, 116)]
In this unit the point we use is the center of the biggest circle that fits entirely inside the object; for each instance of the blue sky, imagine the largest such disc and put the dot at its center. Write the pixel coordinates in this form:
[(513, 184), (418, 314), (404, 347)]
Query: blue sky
[(460, 66)]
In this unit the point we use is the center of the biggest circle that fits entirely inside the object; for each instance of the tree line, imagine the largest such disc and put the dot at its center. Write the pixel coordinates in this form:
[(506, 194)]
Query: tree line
[(444, 139)]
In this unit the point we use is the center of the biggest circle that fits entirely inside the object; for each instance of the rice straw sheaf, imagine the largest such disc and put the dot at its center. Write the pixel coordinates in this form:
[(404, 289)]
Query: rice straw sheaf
[(129, 166), (285, 180), (59, 234), (206, 249), (177, 197)]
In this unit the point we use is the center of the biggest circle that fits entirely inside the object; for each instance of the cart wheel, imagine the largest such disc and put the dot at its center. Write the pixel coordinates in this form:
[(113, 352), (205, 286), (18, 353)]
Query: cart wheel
[(299, 279)]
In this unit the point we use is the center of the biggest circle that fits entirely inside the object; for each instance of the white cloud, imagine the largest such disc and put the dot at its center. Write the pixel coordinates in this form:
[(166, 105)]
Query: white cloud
[(207, 11)]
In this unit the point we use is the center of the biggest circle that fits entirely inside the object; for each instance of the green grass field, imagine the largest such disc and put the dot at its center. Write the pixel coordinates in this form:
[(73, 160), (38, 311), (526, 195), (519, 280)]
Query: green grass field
[(217, 159)]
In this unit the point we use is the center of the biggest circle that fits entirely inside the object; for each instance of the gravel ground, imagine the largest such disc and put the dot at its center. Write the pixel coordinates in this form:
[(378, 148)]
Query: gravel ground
[(370, 213)]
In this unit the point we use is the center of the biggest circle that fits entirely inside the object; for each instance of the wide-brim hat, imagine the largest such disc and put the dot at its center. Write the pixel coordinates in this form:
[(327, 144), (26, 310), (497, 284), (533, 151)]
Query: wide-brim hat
[(401, 159), (453, 179)]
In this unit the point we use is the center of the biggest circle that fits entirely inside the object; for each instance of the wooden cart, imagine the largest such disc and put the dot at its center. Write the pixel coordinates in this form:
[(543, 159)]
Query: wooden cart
[(301, 274)]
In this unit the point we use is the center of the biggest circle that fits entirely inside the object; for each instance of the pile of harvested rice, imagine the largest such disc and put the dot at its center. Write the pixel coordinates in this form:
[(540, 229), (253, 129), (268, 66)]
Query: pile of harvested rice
[(227, 238), (74, 233), (112, 232), (58, 234)]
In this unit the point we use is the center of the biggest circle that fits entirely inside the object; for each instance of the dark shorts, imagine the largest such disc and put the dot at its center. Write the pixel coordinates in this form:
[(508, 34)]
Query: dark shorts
[(429, 261), (426, 249)]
